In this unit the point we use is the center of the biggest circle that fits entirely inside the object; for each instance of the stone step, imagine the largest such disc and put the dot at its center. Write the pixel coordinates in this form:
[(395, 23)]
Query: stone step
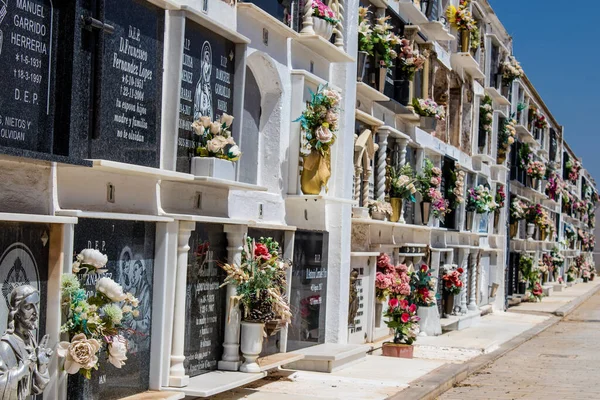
[(460, 322), (548, 290), (514, 301), (329, 357), (559, 287)]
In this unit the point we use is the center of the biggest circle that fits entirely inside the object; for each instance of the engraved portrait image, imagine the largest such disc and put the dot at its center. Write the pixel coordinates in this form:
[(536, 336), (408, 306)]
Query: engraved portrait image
[(3, 12), (134, 279), (203, 98)]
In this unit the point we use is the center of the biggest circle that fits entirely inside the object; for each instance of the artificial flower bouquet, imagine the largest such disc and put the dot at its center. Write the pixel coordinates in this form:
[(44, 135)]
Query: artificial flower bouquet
[(453, 283), (323, 11), (480, 200), (319, 121), (402, 184), (458, 187), (518, 209), (428, 108), (422, 287), (213, 138), (486, 115), (500, 197), (383, 41), (429, 178), (461, 19), (93, 322), (411, 60), (536, 169), (365, 30), (506, 135), (261, 281), (403, 319), (525, 156), (376, 206), (511, 70), (390, 280), (573, 169), (440, 207)]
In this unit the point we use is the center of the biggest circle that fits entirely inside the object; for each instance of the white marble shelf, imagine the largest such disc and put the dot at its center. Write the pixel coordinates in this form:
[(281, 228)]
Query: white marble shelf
[(364, 254), (466, 62), (367, 221), (201, 18), (436, 30), (310, 77), (370, 92), (324, 48), (317, 198), (37, 218), (368, 118), (497, 96), (207, 219), (258, 14), (216, 382), (411, 255), (111, 215)]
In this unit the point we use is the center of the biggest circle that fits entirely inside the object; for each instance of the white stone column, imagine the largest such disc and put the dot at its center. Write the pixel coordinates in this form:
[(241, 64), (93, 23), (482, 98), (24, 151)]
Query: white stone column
[(177, 376), (382, 141), (231, 360), (473, 283), (365, 187), (357, 173), (403, 144), (463, 258)]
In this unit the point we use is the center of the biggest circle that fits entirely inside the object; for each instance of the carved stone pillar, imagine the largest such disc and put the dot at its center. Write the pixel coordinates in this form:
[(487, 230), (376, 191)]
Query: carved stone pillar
[(382, 141), (231, 347), (338, 7), (463, 261), (473, 284), (357, 173), (365, 187), (177, 376), (307, 22), (403, 145)]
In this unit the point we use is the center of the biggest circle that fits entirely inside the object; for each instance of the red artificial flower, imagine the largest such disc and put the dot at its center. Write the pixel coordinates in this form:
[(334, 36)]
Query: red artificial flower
[(404, 304), (460, 270), (405, 317), (261, 251), (424, 268), (393, 303), (412, 308)]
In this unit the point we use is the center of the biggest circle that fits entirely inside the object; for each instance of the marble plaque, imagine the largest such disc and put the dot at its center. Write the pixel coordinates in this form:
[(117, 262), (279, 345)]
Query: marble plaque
[(129, 246)]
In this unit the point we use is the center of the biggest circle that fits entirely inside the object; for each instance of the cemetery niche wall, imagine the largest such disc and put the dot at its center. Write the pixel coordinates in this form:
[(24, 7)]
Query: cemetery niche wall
[(129, 246)]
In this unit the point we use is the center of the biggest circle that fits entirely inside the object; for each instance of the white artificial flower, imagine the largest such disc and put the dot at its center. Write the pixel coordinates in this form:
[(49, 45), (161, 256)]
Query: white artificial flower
[(80, 353), (92, 259), (216, 144), (110, 289), (117, 351), (234, 151), (215, 128), (205, 121), (323, 134), (198, 128), (226, 119)]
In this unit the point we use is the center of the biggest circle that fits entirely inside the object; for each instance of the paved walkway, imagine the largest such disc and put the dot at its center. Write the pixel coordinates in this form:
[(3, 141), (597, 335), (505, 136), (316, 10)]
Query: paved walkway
[(563, 362)]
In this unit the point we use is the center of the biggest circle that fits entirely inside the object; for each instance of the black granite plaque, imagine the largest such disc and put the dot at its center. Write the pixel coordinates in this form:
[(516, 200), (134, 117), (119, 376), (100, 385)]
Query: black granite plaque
[(130, 84), (26, 44), (129, 246), (205, 303), (206, 84), (24, 252), (309, 290)]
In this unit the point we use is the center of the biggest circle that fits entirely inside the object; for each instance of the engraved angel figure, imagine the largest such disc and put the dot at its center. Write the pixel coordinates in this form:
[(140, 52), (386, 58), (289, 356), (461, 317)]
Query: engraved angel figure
[(203, 95)]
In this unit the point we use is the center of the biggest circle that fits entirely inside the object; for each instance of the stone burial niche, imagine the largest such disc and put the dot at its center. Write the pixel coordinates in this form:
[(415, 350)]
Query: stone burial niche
[(82, 80), (129, 246)]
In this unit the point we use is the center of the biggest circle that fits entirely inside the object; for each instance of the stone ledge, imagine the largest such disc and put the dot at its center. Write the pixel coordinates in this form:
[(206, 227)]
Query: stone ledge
[(153, 395)]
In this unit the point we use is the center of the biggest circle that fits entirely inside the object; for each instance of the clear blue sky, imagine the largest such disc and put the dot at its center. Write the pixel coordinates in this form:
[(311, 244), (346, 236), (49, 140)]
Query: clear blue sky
[(556, 44)]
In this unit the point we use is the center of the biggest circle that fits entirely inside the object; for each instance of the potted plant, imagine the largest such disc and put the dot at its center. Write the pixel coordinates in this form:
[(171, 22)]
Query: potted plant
[(430, 113), (422, 289), (506, 137), (453, 285), (215, 149), (429, 181), (518, 212), (403, 319), (319, 123), (462, 20), (379, 210), (260, 280), (401, 186), (324, 19), (93, 317)]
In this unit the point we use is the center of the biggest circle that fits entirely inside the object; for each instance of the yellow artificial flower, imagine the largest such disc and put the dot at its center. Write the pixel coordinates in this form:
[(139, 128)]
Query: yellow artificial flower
[(325, 124), (451, 14)]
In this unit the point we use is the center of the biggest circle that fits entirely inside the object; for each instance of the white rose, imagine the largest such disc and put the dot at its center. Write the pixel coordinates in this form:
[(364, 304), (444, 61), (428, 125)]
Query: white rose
[(216, 144), (323, 134), (117, 351), (198, 128), (205, 121), (226, 119), (234, 151), (91, 258), (215, 128), (110, 289)]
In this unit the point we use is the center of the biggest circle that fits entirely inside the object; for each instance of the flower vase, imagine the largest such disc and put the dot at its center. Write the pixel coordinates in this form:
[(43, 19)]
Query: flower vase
[(534, 183), (382, 75), (361, 65), (322, 28), (448, 299), (378, 215), (530, 231), (465, 37), (543, 235), (514, 229), (251, 344), (470, 215), (496, 219), (397, 350), (213, 167), (501, 158), (428, 124), (396, 209), (378, 313), (425, 211), (316, 172)]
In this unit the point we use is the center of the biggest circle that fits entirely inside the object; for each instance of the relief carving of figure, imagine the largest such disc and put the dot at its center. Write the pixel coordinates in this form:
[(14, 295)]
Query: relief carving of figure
[(203, 96), (23, 363), (354, 300)]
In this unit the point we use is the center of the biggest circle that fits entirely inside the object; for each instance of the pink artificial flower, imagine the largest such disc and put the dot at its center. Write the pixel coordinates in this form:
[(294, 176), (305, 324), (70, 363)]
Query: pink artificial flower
[(405, 318), (412, 308), (393, 303)]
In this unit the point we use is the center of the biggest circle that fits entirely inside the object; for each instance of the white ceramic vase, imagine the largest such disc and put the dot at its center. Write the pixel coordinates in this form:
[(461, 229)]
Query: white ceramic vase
[(251, 345), (213, 167), (322, 28)]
